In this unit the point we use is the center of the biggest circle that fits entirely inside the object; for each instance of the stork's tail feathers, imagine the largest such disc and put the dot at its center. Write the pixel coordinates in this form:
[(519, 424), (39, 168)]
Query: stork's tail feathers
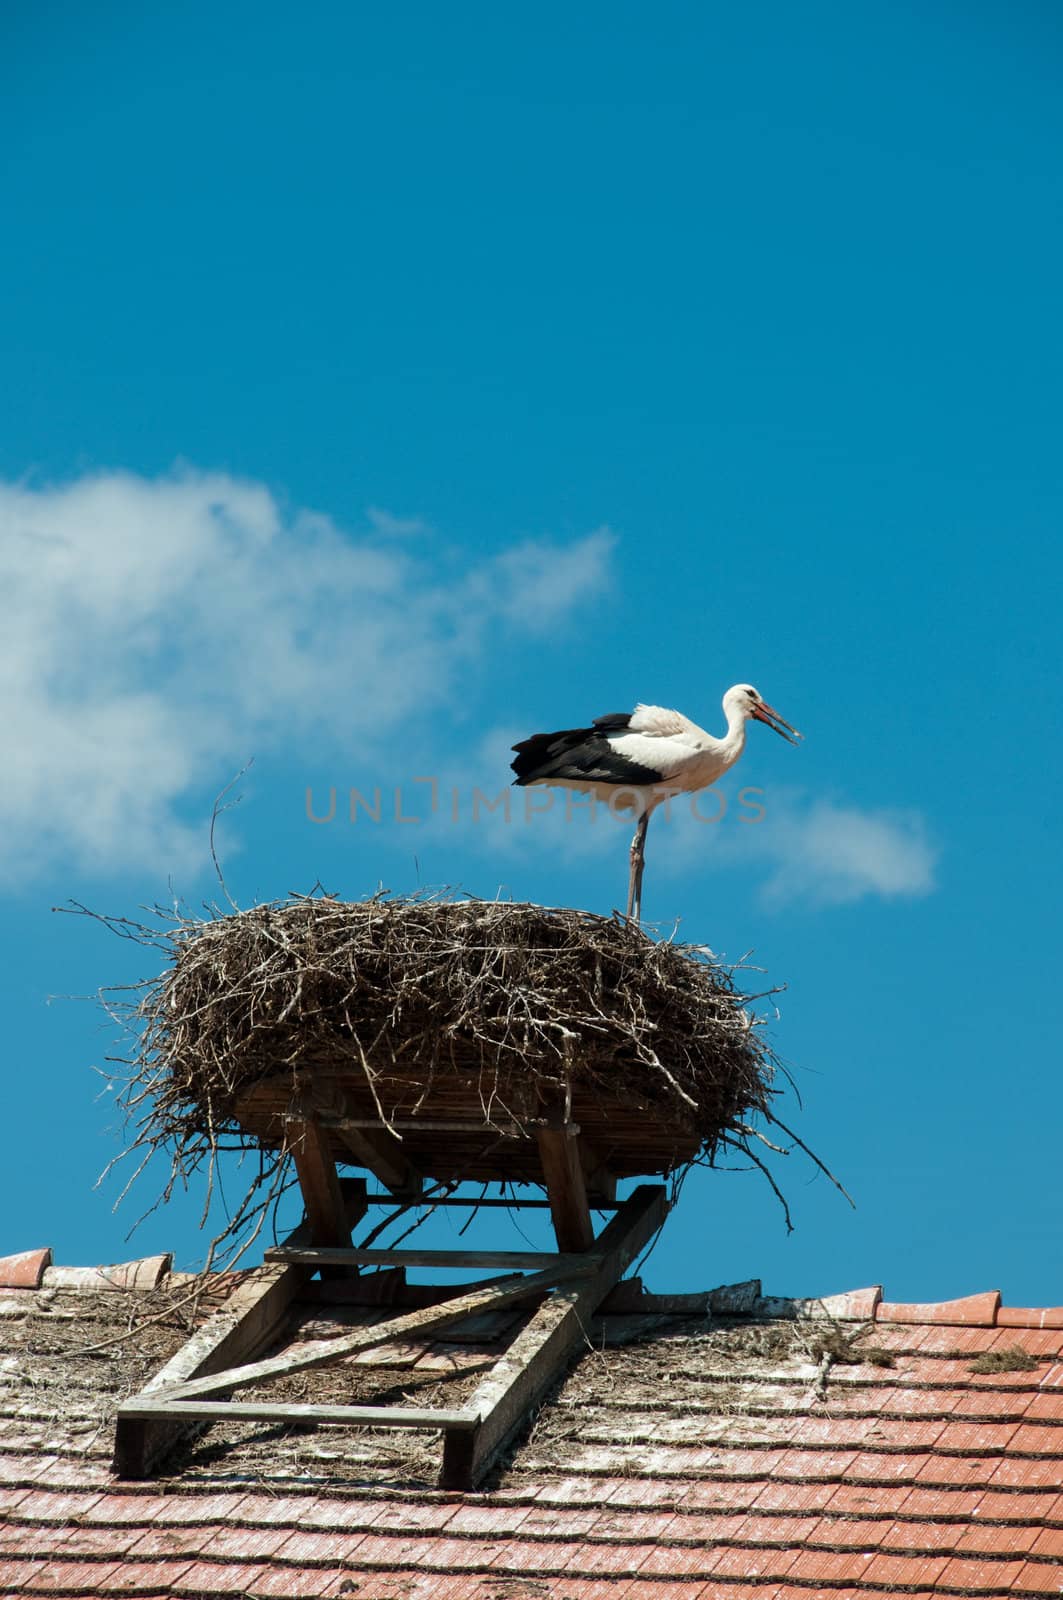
[(537, 757)]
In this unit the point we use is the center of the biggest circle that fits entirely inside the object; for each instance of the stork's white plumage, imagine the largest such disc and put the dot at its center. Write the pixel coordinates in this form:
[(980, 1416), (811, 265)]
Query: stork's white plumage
[(636, 760)]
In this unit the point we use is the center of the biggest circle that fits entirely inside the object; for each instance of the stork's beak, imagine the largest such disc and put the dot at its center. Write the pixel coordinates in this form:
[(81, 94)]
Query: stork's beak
[(765, 713)]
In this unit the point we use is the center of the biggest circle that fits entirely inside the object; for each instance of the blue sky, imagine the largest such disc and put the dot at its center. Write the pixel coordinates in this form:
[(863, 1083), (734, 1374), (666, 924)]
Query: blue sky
[(384, 384)]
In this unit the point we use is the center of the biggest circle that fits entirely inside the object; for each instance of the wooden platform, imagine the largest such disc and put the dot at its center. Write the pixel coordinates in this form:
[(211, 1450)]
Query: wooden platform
[(457, 1130)]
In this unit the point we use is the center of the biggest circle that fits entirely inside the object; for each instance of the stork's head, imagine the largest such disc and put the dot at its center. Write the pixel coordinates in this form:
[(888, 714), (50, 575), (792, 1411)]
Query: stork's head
[(747, 702)]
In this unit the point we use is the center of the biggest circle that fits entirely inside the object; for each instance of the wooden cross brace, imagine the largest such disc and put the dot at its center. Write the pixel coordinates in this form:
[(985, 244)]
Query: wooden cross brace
[(196, 1385)]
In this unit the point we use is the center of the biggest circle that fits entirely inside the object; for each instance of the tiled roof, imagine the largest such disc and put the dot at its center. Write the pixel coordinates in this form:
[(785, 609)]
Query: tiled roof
[(787, 1450)]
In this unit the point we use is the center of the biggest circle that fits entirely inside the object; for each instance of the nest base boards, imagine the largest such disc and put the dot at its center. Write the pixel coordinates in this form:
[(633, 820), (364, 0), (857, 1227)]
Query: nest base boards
[(563, 1291), (458, 1128)]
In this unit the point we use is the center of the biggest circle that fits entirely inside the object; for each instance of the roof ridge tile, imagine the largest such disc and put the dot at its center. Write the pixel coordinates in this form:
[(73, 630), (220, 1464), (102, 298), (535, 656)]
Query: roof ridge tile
[(25, 1269), (971, 1311)]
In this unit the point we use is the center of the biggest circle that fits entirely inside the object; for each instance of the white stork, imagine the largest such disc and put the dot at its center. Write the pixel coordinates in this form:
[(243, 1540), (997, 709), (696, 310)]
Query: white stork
[(635, 760)]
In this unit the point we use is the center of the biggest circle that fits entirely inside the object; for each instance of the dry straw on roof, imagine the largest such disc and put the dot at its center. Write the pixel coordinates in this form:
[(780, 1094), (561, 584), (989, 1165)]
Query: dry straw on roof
[(531, 1005)]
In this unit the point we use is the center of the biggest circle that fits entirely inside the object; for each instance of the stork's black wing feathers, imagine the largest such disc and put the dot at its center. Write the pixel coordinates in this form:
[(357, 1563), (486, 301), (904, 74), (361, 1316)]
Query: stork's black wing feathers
[(580, 754)]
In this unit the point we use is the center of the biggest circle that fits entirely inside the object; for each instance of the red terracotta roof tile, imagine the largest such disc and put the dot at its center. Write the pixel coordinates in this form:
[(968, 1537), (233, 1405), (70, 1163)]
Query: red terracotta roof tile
[(603, 1589), (904, 1571), (78, 1577), (1036, 1439), (922, 1538), (25, 1269), (974, 1573), (207, 1508), (1032, 1506), (951, 1343), (14, 1575), (1030, 1317), (996, 1539), (845, 1533), (144, 1274), (793, 1496), (781, 1531), (313, 1583), (829, 1567), (722, 1495), (40, 1505), (405, 1516), (896, 1400), (825, 1466), (545, 1522), (328, 1549), (603, 1558), (125, 1509), (263, 1508), (1000, 1405), (977, 1438), (1044, 1343), (22, 1469), (887, 1483), (632, 1491), (238, 1543), (662, 1589), (563, 1490), (958, 1470), (872, 1466), (493, 1521), (1049, 1544), (550, 1555), (948, 1504), (974, 1310), (1045, 1407), (1039, 1577), (203, 1578), (74, 1541), (622, 1523), (737, 1563), (1026, 1473), (681, 1561)]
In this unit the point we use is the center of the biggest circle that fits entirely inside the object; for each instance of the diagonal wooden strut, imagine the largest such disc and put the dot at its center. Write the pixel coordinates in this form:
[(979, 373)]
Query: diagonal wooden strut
[(540, 1354), (321, 1352), (250, 1322)]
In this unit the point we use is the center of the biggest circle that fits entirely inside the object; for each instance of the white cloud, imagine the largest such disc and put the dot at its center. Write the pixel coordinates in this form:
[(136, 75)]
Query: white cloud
[(536, 583), (816, 850), (389, 526), (833, 854), (158, 630)]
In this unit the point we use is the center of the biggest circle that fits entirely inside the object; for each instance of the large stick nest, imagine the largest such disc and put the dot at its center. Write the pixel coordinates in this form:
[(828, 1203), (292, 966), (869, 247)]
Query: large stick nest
[(486, 993), (520, 1008)]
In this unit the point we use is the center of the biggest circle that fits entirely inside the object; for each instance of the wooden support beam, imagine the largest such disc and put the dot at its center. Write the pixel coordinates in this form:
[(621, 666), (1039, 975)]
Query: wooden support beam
[(565, 1186), (249, 1322), (540, 1354), (477, 1202), (392, 1291), (338, 1416), (319, 1182), (525, 1260), (601, 1184), (381, 1154), (320, 1352)]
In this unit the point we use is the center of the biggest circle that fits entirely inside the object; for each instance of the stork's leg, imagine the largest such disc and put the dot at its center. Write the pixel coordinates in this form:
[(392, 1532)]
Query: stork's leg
[(638, 861)]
